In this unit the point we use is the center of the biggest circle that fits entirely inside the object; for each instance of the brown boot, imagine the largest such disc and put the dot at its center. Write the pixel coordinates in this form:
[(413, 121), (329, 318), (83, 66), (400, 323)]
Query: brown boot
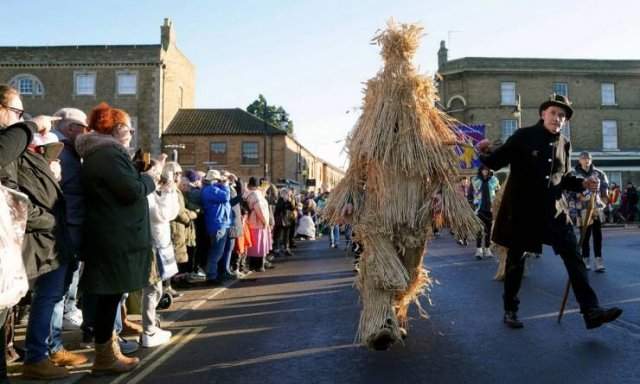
[(64, 358), (109, 359), (129, 328), (43, 370)]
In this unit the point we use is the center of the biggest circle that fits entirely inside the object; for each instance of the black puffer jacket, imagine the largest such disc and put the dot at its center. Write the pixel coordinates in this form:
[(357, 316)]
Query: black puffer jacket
[(46, 241)]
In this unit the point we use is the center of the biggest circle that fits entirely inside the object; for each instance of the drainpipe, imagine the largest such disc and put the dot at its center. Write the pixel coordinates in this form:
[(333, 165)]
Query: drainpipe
[(264, 148)]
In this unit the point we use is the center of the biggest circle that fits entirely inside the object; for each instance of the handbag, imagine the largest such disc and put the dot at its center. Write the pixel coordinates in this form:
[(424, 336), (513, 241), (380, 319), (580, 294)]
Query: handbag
[(14, 283), (167, 265)]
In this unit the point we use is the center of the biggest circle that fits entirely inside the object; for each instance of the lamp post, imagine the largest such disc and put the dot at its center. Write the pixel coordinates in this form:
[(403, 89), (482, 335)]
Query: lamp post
[(174, 150), (517, 111)]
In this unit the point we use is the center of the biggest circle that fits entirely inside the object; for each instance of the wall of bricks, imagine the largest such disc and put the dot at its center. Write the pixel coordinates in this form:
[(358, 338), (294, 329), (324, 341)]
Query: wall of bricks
[(286, 158), (161, 73), (482, 94)]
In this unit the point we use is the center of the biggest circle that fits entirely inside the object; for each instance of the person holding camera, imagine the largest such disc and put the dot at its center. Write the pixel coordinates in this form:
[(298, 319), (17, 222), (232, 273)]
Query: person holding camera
[(216, 203)]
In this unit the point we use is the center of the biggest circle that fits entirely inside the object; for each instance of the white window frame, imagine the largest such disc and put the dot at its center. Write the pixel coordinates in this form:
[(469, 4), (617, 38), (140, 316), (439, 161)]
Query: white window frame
[(508, 93), (609, 135), (37, 89), (608, 93), (560, 88), (243, 153), (507, 128), (80, 75), (128, 91)]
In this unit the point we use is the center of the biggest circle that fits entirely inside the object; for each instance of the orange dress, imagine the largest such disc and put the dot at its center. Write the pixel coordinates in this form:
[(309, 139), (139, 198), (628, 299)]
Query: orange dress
[(244, 242)]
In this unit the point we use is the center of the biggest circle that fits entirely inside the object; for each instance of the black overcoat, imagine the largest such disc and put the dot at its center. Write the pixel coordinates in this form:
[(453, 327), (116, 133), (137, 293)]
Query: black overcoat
[(533, 205)]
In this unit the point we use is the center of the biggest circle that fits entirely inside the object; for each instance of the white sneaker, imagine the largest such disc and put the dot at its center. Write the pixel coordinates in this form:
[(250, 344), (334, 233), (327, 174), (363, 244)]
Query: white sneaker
[(585, 260), (159, 337), (599, 264), (487, 252), (72, 320), (479, 253)]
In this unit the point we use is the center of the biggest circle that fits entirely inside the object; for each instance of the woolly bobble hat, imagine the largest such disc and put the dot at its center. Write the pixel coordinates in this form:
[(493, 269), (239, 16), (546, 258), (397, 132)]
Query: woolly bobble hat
[(103, 118), (192, 175)]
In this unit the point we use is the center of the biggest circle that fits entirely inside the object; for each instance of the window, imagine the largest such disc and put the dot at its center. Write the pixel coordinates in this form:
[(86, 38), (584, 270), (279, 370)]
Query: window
[(561, 89), (608, 91), (609, 135), (566, 129), (507, 127), (127, 83), (85, 83), (187, 155), (27, 85), (614, 177), (250, 152), (181, 95), (218, 152), (508, 93)]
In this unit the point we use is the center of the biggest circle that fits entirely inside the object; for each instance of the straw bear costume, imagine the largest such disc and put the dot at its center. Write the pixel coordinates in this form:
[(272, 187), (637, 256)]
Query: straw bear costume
[(401, 154)]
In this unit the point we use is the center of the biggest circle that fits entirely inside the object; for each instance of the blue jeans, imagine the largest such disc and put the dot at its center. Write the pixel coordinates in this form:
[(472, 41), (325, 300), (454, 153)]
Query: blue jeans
[(48, 290), (216, 251), (334, 234), (55, 339), (348, 231), (226, 255)]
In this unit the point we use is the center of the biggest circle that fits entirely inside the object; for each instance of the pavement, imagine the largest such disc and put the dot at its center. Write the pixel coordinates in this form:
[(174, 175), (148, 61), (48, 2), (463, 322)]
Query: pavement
[(297, 323)]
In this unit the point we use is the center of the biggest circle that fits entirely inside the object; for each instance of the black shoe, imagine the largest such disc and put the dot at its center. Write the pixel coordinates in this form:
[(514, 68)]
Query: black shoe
[(511, 320), (213, 283), (165, 301), (599, 316)]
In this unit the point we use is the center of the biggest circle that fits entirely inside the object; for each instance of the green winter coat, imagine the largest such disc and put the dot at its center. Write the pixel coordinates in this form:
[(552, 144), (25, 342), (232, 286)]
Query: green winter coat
[(183, 231), (116, 235)]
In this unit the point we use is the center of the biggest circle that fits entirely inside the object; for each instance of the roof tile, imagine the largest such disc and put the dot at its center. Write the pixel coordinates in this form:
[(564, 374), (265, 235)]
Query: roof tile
[(219, 122)]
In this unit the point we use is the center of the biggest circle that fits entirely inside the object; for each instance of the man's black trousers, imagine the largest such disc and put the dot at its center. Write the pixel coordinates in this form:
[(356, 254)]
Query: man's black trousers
[(563, 241)]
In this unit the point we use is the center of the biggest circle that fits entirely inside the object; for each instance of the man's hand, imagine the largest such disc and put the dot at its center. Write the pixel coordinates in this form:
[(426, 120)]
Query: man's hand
[(592, 183), (44, 123), (483, 146)]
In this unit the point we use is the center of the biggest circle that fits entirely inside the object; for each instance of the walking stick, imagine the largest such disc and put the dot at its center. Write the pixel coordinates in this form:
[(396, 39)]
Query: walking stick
[(585, 223)]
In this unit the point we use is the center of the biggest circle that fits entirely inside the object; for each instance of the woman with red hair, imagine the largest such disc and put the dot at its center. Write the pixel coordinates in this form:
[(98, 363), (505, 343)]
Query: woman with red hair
[(116, 239)]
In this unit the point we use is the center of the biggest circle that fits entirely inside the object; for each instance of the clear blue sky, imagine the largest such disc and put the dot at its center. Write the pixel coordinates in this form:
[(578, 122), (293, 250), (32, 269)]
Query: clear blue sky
[(311, 57)]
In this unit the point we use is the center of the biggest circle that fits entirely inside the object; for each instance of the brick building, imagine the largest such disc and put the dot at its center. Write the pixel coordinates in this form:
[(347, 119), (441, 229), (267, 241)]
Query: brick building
[(237, 141), (151, 82), (502, 94)]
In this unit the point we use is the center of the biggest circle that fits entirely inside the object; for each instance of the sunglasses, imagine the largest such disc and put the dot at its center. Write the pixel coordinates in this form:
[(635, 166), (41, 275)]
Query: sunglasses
[(20, 112)]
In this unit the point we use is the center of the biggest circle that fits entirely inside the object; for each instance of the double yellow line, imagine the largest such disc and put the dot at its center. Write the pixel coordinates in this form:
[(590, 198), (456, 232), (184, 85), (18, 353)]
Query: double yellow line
[(149, 363)]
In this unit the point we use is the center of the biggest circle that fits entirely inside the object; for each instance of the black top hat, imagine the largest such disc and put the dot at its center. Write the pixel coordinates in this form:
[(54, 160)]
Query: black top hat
[(558, 101)]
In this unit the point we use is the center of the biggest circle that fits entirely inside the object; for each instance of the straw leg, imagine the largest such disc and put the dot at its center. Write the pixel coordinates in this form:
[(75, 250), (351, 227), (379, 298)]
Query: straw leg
[(412, 259), (379, 328)]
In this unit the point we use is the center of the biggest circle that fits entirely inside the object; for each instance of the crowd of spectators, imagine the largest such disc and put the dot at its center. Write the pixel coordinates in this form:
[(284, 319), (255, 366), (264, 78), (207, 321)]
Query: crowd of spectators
[(103, 230)]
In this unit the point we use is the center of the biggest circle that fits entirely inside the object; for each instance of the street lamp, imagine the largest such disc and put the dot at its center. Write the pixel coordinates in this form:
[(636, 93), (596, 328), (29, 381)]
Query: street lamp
[(174, 150), (517, 111)]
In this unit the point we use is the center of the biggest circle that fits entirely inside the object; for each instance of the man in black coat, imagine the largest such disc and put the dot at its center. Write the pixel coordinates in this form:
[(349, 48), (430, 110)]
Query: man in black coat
[(533, 210)]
